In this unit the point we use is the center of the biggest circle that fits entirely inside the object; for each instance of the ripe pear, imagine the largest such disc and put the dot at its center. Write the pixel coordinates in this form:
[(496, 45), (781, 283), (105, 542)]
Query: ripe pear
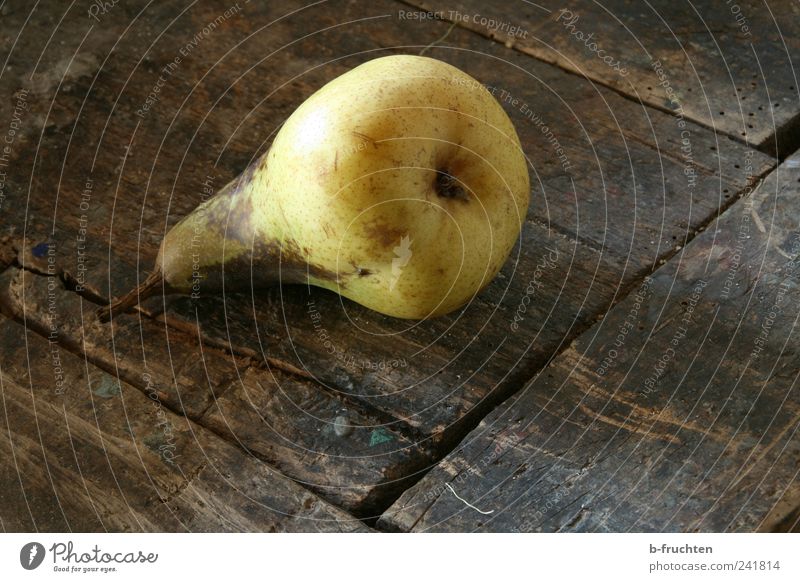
[(400, 185)]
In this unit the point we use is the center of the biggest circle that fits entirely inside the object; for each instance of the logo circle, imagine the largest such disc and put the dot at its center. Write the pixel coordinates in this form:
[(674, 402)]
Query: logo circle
[(31, 555)]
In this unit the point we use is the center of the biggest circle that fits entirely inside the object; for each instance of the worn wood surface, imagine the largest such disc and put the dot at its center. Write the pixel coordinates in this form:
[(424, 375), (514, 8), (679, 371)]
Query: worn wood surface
[(611, 200), (84, 451), (679, 411), (280, 417), (569, 266), (730, 66)]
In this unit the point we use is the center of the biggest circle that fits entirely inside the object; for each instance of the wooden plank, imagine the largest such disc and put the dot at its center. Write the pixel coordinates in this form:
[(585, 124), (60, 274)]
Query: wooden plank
[(283, 419), (679, 411), (355, 461), (728, 67), (596, 225), (31, 500), (84, 451)]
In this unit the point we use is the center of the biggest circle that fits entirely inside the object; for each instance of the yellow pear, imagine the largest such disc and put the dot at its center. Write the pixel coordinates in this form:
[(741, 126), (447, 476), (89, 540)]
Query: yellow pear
[(400, 185)]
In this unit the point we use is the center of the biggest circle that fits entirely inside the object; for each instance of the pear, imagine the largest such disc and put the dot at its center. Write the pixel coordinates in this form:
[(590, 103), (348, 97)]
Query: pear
[(400, 185)]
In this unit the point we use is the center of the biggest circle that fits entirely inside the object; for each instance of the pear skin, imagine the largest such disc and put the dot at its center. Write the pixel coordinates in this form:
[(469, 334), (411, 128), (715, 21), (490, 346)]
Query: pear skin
[(400, 185)]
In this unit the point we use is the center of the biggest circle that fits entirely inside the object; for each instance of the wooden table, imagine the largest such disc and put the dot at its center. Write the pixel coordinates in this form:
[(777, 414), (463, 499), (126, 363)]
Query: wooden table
[(649, 383)]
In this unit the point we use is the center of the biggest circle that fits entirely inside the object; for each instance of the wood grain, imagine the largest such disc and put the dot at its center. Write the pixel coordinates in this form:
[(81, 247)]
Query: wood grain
[(677, 412), (283, 419), (84, 451), (611, 200), (730, 67)]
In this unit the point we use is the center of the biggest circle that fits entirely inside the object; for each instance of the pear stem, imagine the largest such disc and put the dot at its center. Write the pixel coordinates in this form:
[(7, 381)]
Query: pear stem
[(146, 288)]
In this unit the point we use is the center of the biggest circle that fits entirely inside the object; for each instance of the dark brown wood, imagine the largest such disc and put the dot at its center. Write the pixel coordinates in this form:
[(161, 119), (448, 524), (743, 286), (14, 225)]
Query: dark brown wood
[(84, 451), (586, 215), (679, 411), (785, 514), (730, 66), (7, 252), (143, 353), (282, 418), (610, 201)]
